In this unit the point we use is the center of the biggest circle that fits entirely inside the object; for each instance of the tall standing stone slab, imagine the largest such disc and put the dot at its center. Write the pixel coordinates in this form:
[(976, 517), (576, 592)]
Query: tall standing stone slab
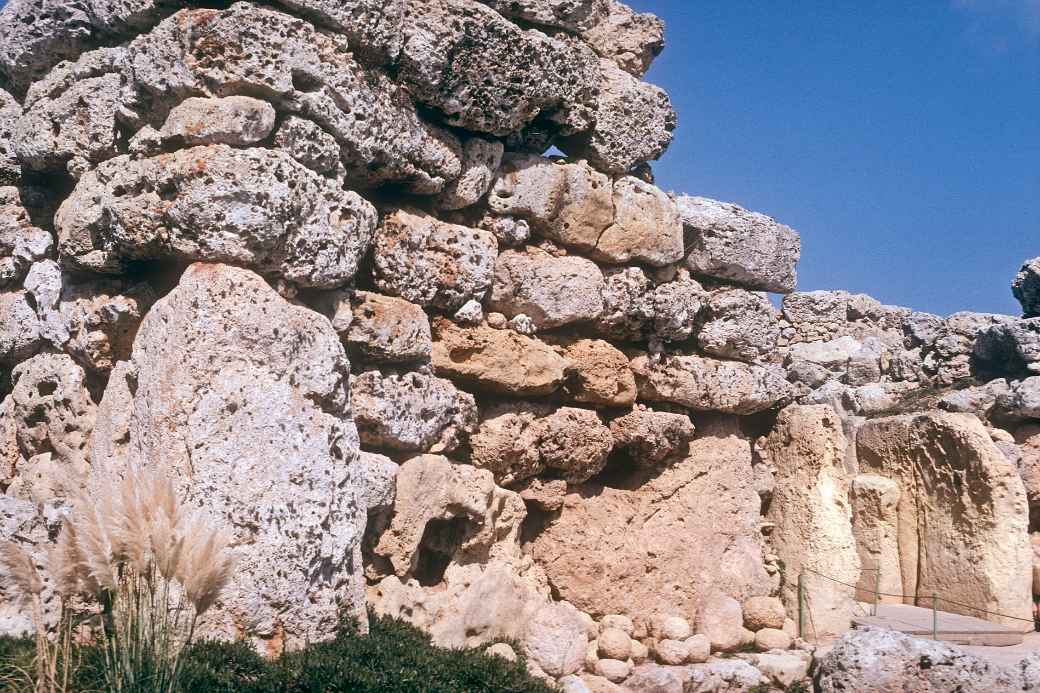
[(811, 509), (243, 397), (963, 514)]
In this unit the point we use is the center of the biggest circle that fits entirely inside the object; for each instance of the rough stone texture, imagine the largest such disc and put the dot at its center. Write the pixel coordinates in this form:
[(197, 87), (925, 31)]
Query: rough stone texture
[(635, 309), (430, 262), (812, 513), (243, 396), (631, 40), (1026, 288), (254, 206), (1027, 437), (551, 291), (21, 242), (19, 328), (614, 643), (1009, 349), (978, 399), (95, 321), (571, 203), (875, 525), (671, 652), (23, 523), (500, 361), (480, 161), (50, 414), (70, 116), (383, 329), (738, 324), (484, 73), (963, 533), (234, 120), (10, 110), (305, 141), (433, 489), (615, 550), (1019, 401), (600, 375), (372, 27), (573, 15), (410, 411), (555, 639), (546, 494), (730, 243), (764, 612), (646, 229), (634, 121), (520, 440), (704, 384), (875, 660), (251, 50), (651, 437)]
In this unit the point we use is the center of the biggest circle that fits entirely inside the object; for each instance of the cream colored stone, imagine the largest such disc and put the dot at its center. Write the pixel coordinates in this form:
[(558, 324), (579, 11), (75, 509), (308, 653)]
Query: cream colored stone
[(613, 670), (672, 628), (875, 525), (962, 515), (812, 513), (501, 649), (764, 612), (614, 643), (618, 621), (772, 639), (721, 621), (698, 648), (672, 652)]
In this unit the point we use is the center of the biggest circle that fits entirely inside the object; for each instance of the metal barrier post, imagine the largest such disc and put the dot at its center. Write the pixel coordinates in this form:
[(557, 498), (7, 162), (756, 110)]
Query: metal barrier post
[(935, 618), (801, 605), (877, 587)]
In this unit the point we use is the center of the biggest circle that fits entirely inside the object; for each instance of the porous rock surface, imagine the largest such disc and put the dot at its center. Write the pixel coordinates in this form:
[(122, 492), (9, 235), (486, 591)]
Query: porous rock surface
[(569, 418)]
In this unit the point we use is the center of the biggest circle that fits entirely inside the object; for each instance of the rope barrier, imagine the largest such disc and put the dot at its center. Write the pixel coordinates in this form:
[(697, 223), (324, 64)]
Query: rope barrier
[(915, 598)]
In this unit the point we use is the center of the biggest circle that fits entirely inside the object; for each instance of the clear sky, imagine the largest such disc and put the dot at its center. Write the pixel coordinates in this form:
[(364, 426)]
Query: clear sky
[(900, 137)]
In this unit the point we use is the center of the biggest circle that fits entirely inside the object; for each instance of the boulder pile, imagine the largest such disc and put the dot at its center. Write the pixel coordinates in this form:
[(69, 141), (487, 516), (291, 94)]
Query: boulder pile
[(316, 261)]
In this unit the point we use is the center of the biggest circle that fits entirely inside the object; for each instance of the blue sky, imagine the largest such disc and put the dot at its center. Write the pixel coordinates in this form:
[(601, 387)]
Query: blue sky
[(901, 138)]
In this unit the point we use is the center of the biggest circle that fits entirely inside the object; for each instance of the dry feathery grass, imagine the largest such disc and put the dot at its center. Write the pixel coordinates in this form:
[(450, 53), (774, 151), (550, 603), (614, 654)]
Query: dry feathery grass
[(153, 569), (21, 571)]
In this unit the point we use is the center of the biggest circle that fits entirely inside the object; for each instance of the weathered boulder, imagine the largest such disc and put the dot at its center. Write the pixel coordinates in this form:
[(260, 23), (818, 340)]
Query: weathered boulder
[(10, 111), (571, 203), (517, 440), (876, 660), (238, 121), (410, 411), (738, 324), (1026, 288), (70, 116), (480, 161), (660, 541), (720, 620), (704, 384), (646, 228), (1009, 349), (600, 375), (555, 639), (573, 15), (257, 207), (21, 242), (1019, 400), (250, 50), (551, 291), (730, 243), (384, 329), (960, 346), (962, 513), (50, 412), (243, 397), (651, 437), (764, 612), (633, 120), (812, 514), (1027, 437), (500, 361), (875, 525), (19, 327), (631, 40), (979, 399), (635, 309), (430, 262), (305, 141), (372, 27), (484, 73)]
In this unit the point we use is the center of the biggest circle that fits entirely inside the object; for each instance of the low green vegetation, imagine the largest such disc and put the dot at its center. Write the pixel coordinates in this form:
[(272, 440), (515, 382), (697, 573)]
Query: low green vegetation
[(393, 657)]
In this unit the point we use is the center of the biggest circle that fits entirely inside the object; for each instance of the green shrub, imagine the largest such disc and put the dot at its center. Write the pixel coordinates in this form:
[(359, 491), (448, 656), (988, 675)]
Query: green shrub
[(393, 658)]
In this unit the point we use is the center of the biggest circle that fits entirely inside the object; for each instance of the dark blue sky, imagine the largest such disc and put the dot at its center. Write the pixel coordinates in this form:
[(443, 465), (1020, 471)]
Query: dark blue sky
[(901, 138)]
